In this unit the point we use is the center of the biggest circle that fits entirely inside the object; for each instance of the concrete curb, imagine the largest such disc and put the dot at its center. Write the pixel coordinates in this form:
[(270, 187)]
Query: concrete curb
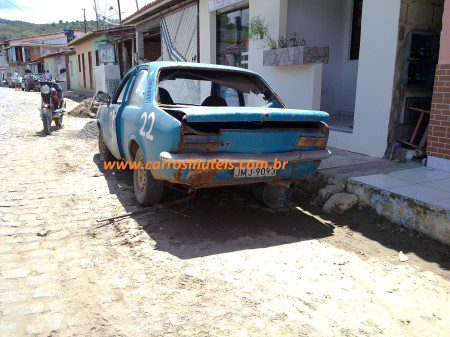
[(430, 220)]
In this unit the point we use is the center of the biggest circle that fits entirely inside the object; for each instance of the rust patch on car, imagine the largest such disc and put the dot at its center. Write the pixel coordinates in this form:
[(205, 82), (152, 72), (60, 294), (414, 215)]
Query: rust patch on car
[(199, 178), (319, 142), (178, 176), (206, 146)]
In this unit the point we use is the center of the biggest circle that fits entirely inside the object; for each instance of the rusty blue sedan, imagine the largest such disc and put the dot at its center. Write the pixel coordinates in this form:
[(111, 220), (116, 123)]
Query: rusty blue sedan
[(170, 116)]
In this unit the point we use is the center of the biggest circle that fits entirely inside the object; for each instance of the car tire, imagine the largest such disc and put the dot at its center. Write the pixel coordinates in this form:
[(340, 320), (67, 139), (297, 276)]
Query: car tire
[(147, 190), (105, 153)]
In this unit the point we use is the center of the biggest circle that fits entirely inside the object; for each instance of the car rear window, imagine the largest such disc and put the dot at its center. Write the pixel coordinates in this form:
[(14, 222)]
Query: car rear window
[(214, 88)]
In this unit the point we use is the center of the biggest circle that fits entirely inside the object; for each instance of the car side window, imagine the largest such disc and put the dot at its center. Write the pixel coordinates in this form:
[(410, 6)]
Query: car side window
[(137, 93), (119, 97)]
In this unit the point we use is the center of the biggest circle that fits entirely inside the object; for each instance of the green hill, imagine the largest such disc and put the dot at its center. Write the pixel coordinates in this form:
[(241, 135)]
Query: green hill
[(12, 29)]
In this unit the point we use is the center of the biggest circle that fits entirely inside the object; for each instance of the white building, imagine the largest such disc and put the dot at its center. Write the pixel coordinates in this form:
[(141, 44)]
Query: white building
[(363, 85), (3, 63)]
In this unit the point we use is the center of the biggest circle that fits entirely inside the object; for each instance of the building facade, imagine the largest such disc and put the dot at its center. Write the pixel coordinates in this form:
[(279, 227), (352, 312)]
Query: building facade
[(99, 61), (365, 62), (27, 53), (439, 131)]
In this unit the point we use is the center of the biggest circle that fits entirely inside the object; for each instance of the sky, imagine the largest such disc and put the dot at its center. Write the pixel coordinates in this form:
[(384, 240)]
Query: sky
[(48, 11)]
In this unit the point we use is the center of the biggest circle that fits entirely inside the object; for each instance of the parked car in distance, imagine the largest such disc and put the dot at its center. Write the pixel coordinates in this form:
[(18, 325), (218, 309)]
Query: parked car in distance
[(31, 82), (175, 113)]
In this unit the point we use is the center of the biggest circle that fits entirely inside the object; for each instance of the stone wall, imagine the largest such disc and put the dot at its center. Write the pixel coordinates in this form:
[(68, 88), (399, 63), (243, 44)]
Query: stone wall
[(414, 15)]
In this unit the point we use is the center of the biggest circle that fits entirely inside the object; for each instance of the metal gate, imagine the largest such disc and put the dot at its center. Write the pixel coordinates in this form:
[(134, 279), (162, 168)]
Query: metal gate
[(179, 35)]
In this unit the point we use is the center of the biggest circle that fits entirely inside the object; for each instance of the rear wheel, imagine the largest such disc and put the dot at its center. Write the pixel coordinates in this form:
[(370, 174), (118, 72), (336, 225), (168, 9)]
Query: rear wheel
[(105, 154), (148, 190), (273, 196), (47, 123), (59, 122)]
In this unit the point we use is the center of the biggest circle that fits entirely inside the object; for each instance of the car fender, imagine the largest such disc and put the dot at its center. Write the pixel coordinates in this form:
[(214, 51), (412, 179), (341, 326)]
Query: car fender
[(101, 116)]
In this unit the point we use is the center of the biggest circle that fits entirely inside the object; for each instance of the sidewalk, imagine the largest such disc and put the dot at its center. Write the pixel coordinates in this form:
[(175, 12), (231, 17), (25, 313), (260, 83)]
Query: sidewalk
[(414, 196)]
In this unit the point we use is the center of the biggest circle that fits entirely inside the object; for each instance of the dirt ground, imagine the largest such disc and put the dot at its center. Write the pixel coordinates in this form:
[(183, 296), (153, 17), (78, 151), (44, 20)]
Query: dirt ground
[(223, 265)]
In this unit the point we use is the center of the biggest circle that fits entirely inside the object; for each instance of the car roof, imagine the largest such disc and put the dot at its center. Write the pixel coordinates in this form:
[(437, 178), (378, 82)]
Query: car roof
[(191, 65)]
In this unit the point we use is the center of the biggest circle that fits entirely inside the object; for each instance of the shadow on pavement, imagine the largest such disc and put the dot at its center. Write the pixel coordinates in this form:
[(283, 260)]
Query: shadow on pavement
[(216, 221), (228, 219), (41, 133)]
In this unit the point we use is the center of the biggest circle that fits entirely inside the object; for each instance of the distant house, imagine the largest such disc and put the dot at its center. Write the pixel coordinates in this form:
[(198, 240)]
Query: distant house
[(26, 53), (97, 52), (54, 63), (3, 62)]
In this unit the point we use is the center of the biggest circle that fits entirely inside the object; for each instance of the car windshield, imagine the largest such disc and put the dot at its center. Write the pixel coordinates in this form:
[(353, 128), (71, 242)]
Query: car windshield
[(214, 88)]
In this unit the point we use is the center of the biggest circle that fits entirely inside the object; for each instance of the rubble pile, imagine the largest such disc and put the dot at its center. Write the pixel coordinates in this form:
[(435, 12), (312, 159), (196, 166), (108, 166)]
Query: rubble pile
[(82, 110), (89, 131)]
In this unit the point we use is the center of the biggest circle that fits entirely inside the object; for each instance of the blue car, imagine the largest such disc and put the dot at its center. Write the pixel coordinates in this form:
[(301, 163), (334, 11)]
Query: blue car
[(202, 126)]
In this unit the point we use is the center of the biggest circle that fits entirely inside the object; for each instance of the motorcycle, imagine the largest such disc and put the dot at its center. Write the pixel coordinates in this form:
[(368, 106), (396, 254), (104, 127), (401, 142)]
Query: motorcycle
[(52, 105)]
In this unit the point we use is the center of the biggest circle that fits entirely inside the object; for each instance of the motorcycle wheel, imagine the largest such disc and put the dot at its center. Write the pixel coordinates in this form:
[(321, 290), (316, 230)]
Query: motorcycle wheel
[(47, 122), (59, 122)]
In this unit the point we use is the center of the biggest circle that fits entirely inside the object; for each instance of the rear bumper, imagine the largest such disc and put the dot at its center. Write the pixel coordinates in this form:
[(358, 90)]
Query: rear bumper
[(290, 157), (299, 164)]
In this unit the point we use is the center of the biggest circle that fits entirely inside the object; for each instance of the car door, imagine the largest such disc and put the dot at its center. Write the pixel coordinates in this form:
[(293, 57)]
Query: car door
[(134, 121), (109, 130)]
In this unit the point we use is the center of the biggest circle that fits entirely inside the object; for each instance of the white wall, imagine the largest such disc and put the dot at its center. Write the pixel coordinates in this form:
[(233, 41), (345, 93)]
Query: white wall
[(207, 33), (328, 23), (73, 72), (380, 21), (298, 86)]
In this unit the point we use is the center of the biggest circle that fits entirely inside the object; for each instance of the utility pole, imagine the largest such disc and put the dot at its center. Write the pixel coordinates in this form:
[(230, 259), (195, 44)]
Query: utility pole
[(84, 17), (137, 6), (120, 14), (96, 13)]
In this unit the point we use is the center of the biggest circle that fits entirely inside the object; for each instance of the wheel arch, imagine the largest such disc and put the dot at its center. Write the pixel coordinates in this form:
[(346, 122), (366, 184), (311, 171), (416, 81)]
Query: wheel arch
[(133, 147)]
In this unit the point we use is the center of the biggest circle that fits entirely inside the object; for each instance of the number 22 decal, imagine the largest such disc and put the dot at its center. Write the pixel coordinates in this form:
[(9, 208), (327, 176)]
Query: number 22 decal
[(146, 116)]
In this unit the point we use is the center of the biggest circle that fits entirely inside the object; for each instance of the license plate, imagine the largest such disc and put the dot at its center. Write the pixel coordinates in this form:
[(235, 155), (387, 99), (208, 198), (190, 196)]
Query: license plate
[(254, 173)]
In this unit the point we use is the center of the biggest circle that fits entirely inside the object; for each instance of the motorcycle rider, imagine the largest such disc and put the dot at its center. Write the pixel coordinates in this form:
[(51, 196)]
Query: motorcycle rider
[(47, 76)]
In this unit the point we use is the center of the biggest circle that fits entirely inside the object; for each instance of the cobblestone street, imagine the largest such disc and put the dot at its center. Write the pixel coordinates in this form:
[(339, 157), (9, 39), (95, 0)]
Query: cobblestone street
[(223, 265)]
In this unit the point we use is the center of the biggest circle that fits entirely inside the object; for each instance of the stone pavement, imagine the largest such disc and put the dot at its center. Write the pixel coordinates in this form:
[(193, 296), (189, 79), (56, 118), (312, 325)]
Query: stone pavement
[(223, 265)]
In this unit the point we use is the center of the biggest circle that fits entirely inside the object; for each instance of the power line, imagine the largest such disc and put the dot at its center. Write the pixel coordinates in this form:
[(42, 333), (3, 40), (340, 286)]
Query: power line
[(13, 5)]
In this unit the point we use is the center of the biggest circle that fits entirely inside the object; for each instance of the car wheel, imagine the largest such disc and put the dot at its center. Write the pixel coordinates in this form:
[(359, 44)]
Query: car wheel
[(105, 153), (273, 196), (148, 190)]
